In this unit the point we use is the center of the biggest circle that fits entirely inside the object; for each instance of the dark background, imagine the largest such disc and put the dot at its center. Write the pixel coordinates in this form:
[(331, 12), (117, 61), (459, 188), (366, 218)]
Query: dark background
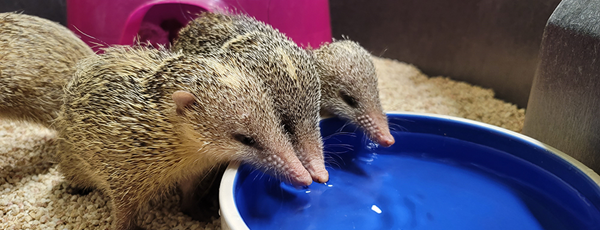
[(55, 10), (491, 43)]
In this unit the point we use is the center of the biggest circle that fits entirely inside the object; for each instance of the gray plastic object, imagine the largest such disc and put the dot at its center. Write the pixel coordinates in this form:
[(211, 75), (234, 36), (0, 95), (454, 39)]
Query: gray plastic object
[(564, 104)]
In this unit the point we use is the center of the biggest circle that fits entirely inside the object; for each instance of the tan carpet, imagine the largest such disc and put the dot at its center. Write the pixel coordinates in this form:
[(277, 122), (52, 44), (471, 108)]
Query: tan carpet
[(32, 192)]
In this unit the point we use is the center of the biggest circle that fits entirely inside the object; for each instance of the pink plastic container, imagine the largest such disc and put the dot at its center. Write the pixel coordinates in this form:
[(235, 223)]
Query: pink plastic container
[(109, 22)]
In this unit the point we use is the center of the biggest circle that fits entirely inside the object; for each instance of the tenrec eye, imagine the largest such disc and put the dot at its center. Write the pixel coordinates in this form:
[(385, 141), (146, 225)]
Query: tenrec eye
[(351, 101), (246, 140)]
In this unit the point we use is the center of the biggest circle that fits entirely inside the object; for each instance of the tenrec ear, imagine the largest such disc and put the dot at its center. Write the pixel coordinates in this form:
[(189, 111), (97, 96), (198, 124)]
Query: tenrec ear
[(183, 100)]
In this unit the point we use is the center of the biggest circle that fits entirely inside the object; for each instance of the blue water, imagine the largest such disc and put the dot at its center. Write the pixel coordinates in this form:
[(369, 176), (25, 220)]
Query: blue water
[(423, 182)]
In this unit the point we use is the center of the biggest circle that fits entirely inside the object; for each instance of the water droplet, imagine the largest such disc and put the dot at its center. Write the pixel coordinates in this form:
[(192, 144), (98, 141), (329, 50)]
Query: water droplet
[(365, 159), (371, 146), (376, 209)]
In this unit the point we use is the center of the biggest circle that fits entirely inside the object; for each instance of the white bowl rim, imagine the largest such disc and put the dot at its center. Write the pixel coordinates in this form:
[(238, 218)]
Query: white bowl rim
[(230, 215)]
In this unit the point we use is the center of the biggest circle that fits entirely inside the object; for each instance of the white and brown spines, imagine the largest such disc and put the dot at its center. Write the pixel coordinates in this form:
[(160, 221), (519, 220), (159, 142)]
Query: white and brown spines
[(349, 88), (37, 58), (227, 102), (106, 95), (286, 69), (244, 117), (138, 121), (211, 30), (296, 85)]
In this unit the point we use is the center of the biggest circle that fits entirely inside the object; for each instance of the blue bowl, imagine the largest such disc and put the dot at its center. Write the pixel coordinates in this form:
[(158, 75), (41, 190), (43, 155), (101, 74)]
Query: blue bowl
[(442, 173)]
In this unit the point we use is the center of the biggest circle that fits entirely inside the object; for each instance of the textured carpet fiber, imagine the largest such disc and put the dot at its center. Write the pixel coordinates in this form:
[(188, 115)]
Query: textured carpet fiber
[(33, 194)]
